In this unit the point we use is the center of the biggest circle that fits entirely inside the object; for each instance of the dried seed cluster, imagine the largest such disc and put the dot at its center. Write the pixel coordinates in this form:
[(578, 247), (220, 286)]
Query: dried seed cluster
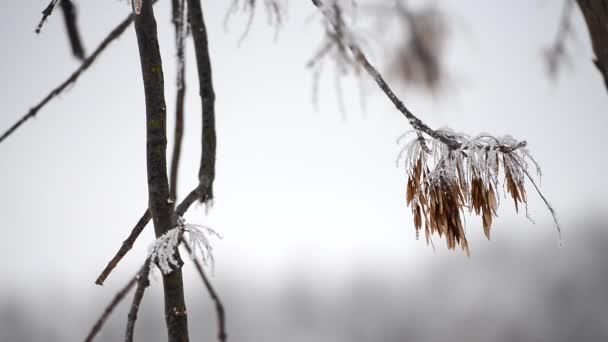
[(443, 182)]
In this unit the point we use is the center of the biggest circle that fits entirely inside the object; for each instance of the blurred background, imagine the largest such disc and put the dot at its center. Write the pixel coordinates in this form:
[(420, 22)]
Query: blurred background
[(318, 244)]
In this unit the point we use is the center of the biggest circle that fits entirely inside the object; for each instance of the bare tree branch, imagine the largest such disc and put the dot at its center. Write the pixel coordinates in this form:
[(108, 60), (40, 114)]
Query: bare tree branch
[(206, 173), (117, 299), (69, 16), (156, 159), (48, 10), (142, 283), (195, 194), (178, 7), (219, 307), (125, 248), (180, 210), (73, 77)]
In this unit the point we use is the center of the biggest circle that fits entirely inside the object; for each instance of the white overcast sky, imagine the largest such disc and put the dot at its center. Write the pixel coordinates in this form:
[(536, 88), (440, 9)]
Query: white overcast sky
[(294, 186)]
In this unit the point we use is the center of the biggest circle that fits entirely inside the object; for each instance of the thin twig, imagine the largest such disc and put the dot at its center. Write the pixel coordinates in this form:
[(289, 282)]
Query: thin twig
[(142, 283), (106, 313), (180, 27), (547, 204), (125, 248), (69, 16), (219, 307), (206, 173), (48, 10), (116, 32), (360, 57), (181, 209)]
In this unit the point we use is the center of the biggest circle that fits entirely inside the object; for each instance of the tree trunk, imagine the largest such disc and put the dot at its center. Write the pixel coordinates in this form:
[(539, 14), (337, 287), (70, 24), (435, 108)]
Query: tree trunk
[(156, 146)]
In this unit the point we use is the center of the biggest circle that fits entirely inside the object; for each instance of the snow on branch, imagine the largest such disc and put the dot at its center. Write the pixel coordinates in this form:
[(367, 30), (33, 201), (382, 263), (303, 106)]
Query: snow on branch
[(162, 251), (136, 6), (443, 182)]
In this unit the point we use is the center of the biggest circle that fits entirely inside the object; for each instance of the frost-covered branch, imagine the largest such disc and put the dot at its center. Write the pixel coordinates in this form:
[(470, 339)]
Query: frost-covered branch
[(180, 210), (328, 10), (447, 171), (334, 49), (163, 251), (274, 12), (443, 183)]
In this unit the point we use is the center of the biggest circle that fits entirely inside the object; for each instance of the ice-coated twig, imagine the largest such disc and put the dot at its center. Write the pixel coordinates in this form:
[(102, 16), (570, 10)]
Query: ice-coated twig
[(180, 210), (163, 250), (328, 10), (443, 183), (274, 13)]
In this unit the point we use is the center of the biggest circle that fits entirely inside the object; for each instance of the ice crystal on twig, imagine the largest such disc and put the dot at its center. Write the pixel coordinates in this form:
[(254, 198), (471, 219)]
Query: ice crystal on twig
[(334, 49), (163, 250), (197, 236), (275, 12), (137, 6), (444, 181)]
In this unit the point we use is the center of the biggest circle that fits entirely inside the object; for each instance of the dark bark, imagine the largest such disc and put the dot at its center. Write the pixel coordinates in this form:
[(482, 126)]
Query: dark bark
[(69, 17), (156, 149), (595, 13), (142, 283), (125, 248), (206, 173), (178, 7), (46, 12)]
